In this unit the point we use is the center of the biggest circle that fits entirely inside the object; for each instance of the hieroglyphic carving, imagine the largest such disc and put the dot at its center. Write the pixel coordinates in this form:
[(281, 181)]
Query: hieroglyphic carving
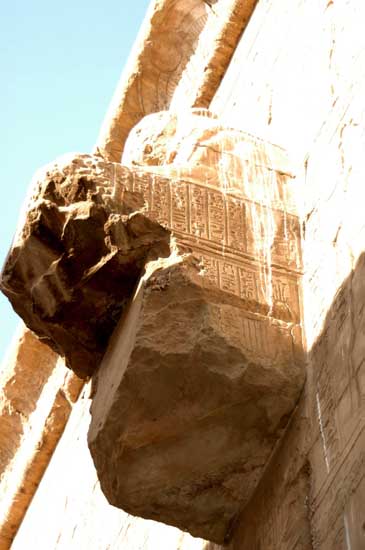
[(217, 220), (334, 506), (180, 209), (198, 201), (210, 269), (286, 243), (248, 284), (337, 455), (236, 222), (229, 278), (210, 217), (326, 409), (257, 337), (338, 391), (194, 146), (230, 305), (217, 226), (160, 200), (228, 233), (255, 334), (143, 186), (285, 296)]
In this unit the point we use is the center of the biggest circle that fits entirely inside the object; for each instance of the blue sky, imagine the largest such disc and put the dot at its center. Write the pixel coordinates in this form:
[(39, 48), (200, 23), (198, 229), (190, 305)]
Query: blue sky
[(60, 63)]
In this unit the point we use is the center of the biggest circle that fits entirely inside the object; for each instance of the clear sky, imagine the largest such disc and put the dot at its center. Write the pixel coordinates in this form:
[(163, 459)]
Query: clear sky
[(60, 63)]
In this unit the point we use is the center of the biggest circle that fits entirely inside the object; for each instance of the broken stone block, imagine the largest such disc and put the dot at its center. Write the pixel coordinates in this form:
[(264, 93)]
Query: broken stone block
[(91, 226), (192, 396), (78, 255), (198, 256), (204, 369)]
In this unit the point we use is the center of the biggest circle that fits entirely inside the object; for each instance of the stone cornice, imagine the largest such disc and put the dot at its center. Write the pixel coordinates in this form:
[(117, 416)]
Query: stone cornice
[(180, 57)]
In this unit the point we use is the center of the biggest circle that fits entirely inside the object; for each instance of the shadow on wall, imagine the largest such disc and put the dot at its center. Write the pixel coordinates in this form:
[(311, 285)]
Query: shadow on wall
[(313, 492)]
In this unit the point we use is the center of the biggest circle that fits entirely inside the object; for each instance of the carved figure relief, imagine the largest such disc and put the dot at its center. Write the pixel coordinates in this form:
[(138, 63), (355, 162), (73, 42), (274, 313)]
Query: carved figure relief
[(171, 44)]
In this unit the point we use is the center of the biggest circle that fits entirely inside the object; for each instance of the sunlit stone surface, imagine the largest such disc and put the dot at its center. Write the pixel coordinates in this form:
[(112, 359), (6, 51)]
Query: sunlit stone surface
[(77, 256), (194, 244), (204, 370)]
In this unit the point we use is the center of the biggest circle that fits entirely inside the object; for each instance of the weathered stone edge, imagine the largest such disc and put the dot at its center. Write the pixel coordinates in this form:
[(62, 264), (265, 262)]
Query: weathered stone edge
[(222, 32)]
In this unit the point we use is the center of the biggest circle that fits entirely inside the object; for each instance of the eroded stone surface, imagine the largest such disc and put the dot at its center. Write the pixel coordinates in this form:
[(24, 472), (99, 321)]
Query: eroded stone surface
[(91, 227), (77, 515), (202, 373), (182, 52), (192, 395), (206, 366), (78, 255), (229, 198), (288, 98), (194, 144)]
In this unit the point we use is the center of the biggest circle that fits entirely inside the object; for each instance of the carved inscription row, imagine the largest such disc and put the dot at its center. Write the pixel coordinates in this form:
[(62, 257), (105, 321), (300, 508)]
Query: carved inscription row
[(245, 249), (210, 218)]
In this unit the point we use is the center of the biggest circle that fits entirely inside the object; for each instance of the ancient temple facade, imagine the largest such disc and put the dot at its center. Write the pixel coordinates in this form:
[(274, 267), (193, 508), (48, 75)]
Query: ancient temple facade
[(190, 374)]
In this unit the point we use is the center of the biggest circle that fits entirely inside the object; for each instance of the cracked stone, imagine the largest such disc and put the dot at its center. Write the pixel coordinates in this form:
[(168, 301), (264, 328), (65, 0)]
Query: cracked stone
[(78, 255), (187, 411), (189, 266)]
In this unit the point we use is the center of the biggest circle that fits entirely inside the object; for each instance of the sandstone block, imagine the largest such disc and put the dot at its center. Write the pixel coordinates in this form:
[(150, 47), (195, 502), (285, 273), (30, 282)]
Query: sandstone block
[(78, 255), (179, 59), (192, 395), (206, 365), (194, 247), (195, 145)]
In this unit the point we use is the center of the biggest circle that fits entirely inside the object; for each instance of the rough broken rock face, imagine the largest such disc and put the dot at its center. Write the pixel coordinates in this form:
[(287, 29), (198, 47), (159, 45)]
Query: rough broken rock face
[(78, 255), (192, 395), (204, 370), (193, 248)]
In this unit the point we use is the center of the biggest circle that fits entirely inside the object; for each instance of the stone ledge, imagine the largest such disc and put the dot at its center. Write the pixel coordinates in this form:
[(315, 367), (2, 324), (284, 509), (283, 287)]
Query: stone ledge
[(192, 396), (177, 36), (206, 364)]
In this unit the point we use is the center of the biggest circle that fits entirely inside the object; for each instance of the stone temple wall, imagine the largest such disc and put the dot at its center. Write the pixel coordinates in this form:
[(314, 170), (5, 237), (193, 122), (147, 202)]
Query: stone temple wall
[(297, 79), (299, 68)]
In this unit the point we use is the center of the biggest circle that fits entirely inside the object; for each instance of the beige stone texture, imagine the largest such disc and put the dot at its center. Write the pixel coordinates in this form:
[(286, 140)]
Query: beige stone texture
[(188, 405), (297, 79), (303, 83), (77, 256), (16, 407), (194, 144), (226, 21), (188, 20), (93, 225), (202, 374), (217, 336), (178, 60), (36, 398)]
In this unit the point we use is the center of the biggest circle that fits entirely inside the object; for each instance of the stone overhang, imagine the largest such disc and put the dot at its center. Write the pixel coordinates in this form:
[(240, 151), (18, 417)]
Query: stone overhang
[(192, 251)]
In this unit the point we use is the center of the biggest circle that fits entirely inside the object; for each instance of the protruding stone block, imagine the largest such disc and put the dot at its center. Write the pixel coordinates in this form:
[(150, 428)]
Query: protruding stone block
[(205, 368), (192, 395), (196, 245), (77, 256)]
